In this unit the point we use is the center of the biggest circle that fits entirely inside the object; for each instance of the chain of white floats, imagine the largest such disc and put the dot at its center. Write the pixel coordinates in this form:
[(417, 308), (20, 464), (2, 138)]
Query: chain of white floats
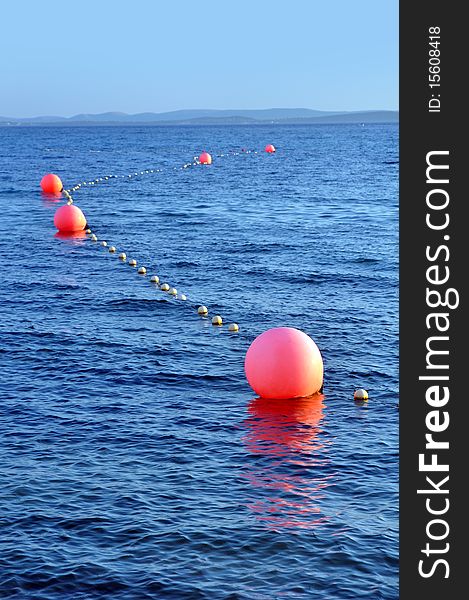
[(202, 309), (360, 395)]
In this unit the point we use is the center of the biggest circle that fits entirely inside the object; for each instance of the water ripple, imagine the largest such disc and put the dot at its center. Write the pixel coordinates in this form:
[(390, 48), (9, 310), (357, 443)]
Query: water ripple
[(135, 461)]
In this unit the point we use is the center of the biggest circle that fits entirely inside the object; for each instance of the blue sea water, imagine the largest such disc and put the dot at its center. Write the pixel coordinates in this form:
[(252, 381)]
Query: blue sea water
[(136, 461)]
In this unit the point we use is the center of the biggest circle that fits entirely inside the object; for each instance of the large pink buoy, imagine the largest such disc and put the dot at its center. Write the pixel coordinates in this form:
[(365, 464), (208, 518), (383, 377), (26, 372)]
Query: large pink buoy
[(205, 158), (69, 218), (51, 184), (270, 148), (284, 363)]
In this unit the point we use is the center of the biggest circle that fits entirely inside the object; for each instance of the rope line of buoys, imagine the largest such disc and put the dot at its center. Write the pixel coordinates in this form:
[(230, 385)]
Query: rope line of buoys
[(165, 287), (280, 363), (204, 158), (74, 216)]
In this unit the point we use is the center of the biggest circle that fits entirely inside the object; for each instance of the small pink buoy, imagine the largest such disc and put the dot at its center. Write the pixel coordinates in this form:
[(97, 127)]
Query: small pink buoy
[(270, 148), (69, 218), (51, 184), (205, 158), (284, 363)]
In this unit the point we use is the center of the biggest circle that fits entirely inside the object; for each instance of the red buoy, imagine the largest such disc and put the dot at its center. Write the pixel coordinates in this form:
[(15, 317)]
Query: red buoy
[(283, 363), (69, 218), (51, 184), (205, 158), (270, 148)]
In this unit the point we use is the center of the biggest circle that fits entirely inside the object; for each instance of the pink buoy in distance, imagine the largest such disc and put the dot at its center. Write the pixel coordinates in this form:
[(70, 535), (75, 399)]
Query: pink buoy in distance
[(205, 158), (284, 363), (51, 184), (69, 218), (270, 148)]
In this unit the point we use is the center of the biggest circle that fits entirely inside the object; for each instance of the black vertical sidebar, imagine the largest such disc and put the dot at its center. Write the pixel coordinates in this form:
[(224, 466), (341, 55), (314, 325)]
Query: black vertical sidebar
[(434, 328)]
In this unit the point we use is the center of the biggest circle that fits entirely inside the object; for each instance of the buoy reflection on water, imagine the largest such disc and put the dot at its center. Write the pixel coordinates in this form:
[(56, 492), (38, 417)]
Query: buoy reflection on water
[(289, 467)]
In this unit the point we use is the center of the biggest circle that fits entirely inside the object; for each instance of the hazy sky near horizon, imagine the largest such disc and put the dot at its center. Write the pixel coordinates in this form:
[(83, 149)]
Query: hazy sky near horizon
[(61, 58)]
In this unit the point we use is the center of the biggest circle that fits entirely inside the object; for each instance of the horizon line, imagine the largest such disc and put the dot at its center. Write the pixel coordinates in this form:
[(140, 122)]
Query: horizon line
[(177, 110)]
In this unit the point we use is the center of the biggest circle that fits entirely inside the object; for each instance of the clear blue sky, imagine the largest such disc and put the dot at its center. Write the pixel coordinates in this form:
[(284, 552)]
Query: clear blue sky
[(63, 58)]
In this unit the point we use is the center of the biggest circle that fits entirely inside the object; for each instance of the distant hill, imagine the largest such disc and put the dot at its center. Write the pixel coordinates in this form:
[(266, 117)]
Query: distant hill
[(369, 116), (212, 117)]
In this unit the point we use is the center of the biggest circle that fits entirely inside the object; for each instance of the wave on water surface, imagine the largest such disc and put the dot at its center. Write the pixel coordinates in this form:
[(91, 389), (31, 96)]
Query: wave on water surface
[(136, 461)]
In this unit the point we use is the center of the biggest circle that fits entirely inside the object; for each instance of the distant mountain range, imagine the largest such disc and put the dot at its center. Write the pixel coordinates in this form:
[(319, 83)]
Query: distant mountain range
[(213, 117)]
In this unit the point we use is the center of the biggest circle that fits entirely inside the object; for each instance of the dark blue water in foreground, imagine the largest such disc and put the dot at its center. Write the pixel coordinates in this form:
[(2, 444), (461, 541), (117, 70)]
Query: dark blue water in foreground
[(135, 461)]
